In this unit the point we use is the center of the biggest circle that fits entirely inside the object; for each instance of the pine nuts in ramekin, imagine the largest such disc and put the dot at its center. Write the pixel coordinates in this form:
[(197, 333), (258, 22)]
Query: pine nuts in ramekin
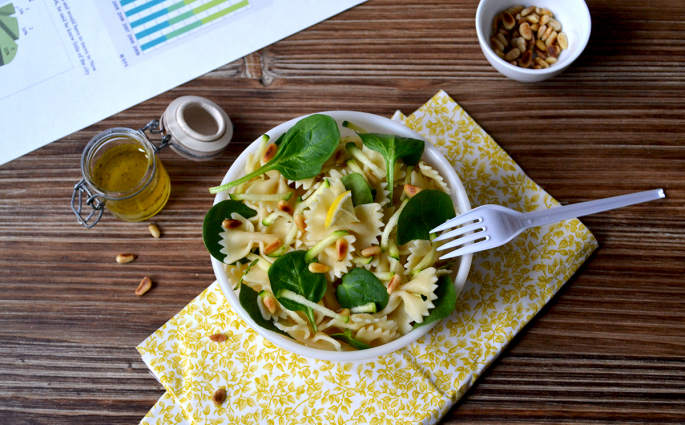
[(520, 30)]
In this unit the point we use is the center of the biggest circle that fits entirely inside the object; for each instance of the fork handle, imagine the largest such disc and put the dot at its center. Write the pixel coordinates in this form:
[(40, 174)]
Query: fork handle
[(555, 215)]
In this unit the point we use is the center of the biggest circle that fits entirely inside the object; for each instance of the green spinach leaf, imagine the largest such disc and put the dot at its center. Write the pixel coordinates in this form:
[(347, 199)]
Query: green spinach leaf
[(346, 337), (425, 211), (301, 153), (211, 226), (444, 304), (361, 192), (248, 299), (360, 287), (393, 148), (291, 272)]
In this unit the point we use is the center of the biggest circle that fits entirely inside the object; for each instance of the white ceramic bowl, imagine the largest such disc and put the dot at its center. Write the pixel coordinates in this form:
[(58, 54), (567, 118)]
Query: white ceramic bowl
[(376, 124), (576, 24)]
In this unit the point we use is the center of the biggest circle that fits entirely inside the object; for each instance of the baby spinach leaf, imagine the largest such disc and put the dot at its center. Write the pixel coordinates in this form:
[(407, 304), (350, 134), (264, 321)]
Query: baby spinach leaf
[(291, 272), (301, 153), (393, 148), (346, 337), (360, 287), (425, 211), (248, 299), (444, 304), (361, 192), (211, 226)]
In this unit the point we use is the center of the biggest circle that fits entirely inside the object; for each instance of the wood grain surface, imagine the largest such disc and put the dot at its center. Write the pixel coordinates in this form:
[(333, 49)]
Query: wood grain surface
[(609, 348)]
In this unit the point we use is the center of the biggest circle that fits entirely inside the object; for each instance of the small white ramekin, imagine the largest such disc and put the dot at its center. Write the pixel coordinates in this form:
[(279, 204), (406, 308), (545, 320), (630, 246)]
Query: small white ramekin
[(576, 22), (376, 124)]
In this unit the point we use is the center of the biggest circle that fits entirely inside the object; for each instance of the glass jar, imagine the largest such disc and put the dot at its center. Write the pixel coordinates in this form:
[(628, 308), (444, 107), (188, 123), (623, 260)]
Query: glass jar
[(122, 172)]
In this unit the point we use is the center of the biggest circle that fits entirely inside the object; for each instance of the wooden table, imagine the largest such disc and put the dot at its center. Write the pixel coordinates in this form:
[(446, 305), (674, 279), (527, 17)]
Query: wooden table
[(610, 348)]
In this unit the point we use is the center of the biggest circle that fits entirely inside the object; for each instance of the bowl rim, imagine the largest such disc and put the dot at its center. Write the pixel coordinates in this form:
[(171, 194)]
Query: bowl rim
[(487, 50), (459, 196)]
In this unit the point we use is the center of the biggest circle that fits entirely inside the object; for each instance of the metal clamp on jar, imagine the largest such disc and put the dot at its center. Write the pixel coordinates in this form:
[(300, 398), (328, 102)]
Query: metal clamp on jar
[(122, 172)]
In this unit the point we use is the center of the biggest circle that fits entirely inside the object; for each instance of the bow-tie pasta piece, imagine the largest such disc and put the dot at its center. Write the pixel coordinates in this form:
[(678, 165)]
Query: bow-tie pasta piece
[(366, 231), (411, 292), (303, 334), (329, 257), (436, 180), (418, 249), (374, 335), (237, 243), (271, 183)]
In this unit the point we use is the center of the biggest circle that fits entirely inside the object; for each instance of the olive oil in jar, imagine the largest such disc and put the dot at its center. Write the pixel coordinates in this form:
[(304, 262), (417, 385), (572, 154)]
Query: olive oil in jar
[(121, 168), (124, 168)]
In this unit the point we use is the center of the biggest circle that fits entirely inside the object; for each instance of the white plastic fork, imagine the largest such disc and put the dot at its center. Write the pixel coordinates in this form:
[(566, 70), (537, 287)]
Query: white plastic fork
[(490, 226)]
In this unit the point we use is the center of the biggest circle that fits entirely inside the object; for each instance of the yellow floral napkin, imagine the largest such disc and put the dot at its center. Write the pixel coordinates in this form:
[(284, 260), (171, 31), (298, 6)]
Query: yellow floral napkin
[(416, 385)]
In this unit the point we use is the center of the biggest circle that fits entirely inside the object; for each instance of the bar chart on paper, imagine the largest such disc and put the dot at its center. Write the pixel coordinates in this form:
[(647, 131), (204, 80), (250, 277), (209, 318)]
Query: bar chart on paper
[(155, 23)]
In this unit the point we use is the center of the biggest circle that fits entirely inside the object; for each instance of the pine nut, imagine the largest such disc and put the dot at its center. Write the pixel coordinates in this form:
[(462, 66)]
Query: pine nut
[(563, 41), (521, 44), (125, 258), (270, 303), (283, 206), (533, 19), (526, 60), (513, 54), (541, 30), (557, 48), (411, 190), (270, 152), (231, 224), (508, 20), (551, 60), (341, 247), (513, 63), (516, 34), (551, 39), (504, 32), (547, 33), (371, 251), (219, 397), (535, 27), (538, 10), (537, 67), (344, 312), (495, 23), (547, 12), (512, 43), (541, 45), (552, 51), (526, 31), (318, 268), (542, 63), (515, 9), (518, 17), (394, 283), (544, 19), (528, 10), (502, 39), (554, 24), (144, 286), (300, 223), (499, 53), (154, 230), (496, 44), (273, 246), (541, 54), (218, 337)]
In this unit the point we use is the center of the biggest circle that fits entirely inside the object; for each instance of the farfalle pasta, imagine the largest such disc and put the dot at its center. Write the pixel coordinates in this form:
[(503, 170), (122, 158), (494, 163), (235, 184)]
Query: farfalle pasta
[(325, 248)]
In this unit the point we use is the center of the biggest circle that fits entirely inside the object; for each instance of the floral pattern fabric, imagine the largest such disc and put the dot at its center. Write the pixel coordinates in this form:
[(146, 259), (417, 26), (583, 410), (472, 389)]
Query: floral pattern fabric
[(507, 286)]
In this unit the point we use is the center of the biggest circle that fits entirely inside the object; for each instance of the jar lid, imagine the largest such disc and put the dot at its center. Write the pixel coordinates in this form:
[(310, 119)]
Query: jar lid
[(200, 130)]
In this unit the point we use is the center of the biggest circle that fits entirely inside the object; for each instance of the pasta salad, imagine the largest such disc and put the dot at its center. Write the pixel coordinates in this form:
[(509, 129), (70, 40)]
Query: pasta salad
[(326, 239)]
